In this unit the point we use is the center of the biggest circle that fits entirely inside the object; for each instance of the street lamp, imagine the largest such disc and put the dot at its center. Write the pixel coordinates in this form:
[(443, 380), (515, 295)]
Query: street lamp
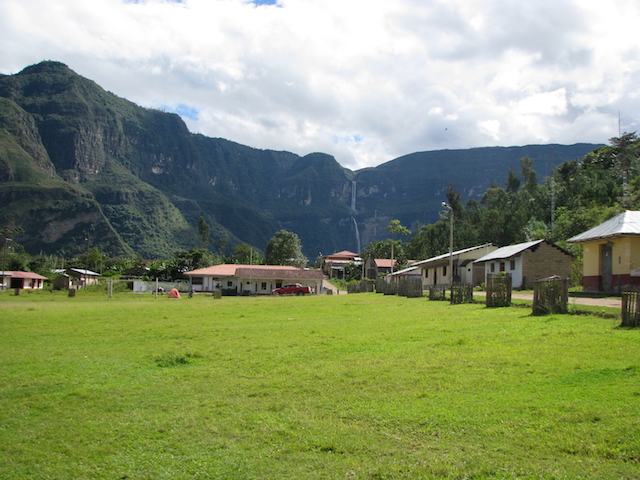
[(445, 205)]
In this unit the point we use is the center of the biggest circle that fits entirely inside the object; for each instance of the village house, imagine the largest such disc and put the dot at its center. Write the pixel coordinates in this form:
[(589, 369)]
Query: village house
[(435, 270), (375, 267), (333, 265), (75, 278), (404, 274), (611, 254), (236, 279), (21, 280), (527, 262)]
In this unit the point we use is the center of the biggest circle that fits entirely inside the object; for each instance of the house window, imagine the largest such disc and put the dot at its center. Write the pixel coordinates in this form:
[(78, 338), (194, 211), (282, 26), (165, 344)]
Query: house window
[(229, 283), (512, 264), (426, 273), (493, 267), (196, 280), (264, 285), (444, 271), (502, 266)]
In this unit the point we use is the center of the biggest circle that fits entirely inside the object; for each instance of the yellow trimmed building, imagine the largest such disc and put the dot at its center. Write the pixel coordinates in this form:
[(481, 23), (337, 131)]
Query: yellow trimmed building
[(611, 254)]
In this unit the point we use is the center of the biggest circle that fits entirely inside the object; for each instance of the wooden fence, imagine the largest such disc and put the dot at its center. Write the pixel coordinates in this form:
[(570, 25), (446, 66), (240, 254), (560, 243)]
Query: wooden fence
[(461, 294), (551, 295), (498, 290), (362, 287), (410, 287), (437, 292), (630, 309)]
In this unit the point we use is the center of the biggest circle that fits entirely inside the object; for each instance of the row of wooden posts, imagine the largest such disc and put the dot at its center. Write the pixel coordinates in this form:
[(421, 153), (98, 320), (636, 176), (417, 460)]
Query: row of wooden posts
[(550, 295)]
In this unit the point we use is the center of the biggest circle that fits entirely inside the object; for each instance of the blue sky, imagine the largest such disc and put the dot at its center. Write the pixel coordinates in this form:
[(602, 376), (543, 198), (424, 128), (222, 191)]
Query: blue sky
[(363, 80)]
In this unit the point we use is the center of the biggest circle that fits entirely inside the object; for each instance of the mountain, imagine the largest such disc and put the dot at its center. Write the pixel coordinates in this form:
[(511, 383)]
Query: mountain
[(81, 167)]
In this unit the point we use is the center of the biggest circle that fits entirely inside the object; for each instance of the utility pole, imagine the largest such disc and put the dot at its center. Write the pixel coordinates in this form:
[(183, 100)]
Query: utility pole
[(445, 205)]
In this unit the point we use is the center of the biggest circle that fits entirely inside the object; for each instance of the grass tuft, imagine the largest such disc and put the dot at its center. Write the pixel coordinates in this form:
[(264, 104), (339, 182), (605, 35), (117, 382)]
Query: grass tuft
[(176, 359)]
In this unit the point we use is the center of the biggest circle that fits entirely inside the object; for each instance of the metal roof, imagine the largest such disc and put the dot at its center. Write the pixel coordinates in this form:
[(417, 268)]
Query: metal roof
[(508, 251), (446, 255), (626, 223), (406, 271), (83, 271)]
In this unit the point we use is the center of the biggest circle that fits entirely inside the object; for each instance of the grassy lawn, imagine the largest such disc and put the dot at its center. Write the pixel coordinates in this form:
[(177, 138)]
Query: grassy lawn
[(359, 386)]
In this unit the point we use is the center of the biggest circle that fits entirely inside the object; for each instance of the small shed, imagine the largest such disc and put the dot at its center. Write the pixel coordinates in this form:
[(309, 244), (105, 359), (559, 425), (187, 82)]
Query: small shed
[(375, 267)]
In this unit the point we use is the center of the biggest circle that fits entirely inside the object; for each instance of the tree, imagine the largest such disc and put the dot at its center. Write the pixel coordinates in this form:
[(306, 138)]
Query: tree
[(204, 231), (284, 248), (245, 254), (396, 228)]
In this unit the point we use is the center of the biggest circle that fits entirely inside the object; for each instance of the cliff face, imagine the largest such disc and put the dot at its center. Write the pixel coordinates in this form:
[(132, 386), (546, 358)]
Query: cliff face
[(80, 165)]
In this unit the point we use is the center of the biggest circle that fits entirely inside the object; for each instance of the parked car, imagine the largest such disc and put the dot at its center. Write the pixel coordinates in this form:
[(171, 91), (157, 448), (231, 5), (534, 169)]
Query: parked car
[(292, 289)]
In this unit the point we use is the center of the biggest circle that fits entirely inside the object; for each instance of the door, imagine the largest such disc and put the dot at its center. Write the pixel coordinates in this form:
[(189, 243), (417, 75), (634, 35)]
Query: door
[(606, 259)]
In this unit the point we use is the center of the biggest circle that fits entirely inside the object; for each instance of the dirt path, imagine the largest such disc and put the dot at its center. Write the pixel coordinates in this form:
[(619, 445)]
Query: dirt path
[(329, 286), (599, 302)]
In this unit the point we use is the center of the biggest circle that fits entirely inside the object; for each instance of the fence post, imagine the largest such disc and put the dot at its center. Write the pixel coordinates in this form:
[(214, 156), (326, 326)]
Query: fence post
[(630, 309), (498, 290)]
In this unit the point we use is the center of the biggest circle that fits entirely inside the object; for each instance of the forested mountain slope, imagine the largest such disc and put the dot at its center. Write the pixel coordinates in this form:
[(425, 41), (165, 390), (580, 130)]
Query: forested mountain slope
[(80, 166)]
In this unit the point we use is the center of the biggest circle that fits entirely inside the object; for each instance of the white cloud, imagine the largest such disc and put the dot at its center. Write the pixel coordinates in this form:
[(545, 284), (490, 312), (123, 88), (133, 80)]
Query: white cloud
[(365, 81)]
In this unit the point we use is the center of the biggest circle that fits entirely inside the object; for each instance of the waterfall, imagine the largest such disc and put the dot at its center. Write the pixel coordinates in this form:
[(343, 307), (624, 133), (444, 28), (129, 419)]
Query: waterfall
[(357, 232), (353, 197)]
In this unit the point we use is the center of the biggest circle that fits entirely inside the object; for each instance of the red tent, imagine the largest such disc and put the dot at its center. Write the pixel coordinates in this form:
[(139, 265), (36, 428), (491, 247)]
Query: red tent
[(174, 293)]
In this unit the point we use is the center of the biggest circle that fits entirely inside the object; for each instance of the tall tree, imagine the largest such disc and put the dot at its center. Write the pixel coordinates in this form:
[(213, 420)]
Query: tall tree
[(284, 248), (204, 230)]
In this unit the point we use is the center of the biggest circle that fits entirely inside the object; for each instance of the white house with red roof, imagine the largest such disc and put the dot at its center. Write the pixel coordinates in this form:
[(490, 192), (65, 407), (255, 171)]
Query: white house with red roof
[(237, 279), (21, 280)]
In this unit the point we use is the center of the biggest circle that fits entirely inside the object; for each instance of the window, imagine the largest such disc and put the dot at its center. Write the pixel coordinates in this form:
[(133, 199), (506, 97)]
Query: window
[(512, 264), (502, 266), (426, 273), (493, 267), (229, 283), (196, 280), (444, 271), (264, 285)]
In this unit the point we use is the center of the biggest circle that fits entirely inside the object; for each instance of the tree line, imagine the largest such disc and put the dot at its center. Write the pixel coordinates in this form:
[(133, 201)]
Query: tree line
[(578, 195)]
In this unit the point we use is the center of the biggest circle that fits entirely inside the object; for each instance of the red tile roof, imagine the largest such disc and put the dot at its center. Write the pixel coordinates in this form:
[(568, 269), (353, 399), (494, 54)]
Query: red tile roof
[(14, 274), (262, 271)]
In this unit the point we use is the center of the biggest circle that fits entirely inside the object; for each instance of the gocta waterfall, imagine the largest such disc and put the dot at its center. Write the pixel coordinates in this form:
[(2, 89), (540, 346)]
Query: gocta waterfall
[(353, 196), (357, 233)]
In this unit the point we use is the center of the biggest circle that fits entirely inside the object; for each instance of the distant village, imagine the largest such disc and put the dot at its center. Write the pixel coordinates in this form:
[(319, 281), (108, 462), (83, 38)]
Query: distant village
[(611, 264)]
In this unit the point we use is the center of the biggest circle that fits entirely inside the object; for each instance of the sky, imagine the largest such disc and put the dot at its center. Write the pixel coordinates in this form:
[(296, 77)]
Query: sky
[(366, 81)]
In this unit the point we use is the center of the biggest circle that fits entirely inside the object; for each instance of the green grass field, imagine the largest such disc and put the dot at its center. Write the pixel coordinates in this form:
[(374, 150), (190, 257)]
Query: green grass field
[(359, 386)]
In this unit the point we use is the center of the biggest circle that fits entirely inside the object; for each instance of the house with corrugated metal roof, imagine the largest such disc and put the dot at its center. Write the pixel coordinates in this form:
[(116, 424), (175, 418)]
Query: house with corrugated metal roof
[(527, 262), (611, 254), (435, 270), (406, 273), (237, 279)]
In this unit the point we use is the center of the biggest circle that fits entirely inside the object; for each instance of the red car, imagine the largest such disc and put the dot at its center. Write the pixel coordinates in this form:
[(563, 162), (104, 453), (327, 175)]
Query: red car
[(292, 289)]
